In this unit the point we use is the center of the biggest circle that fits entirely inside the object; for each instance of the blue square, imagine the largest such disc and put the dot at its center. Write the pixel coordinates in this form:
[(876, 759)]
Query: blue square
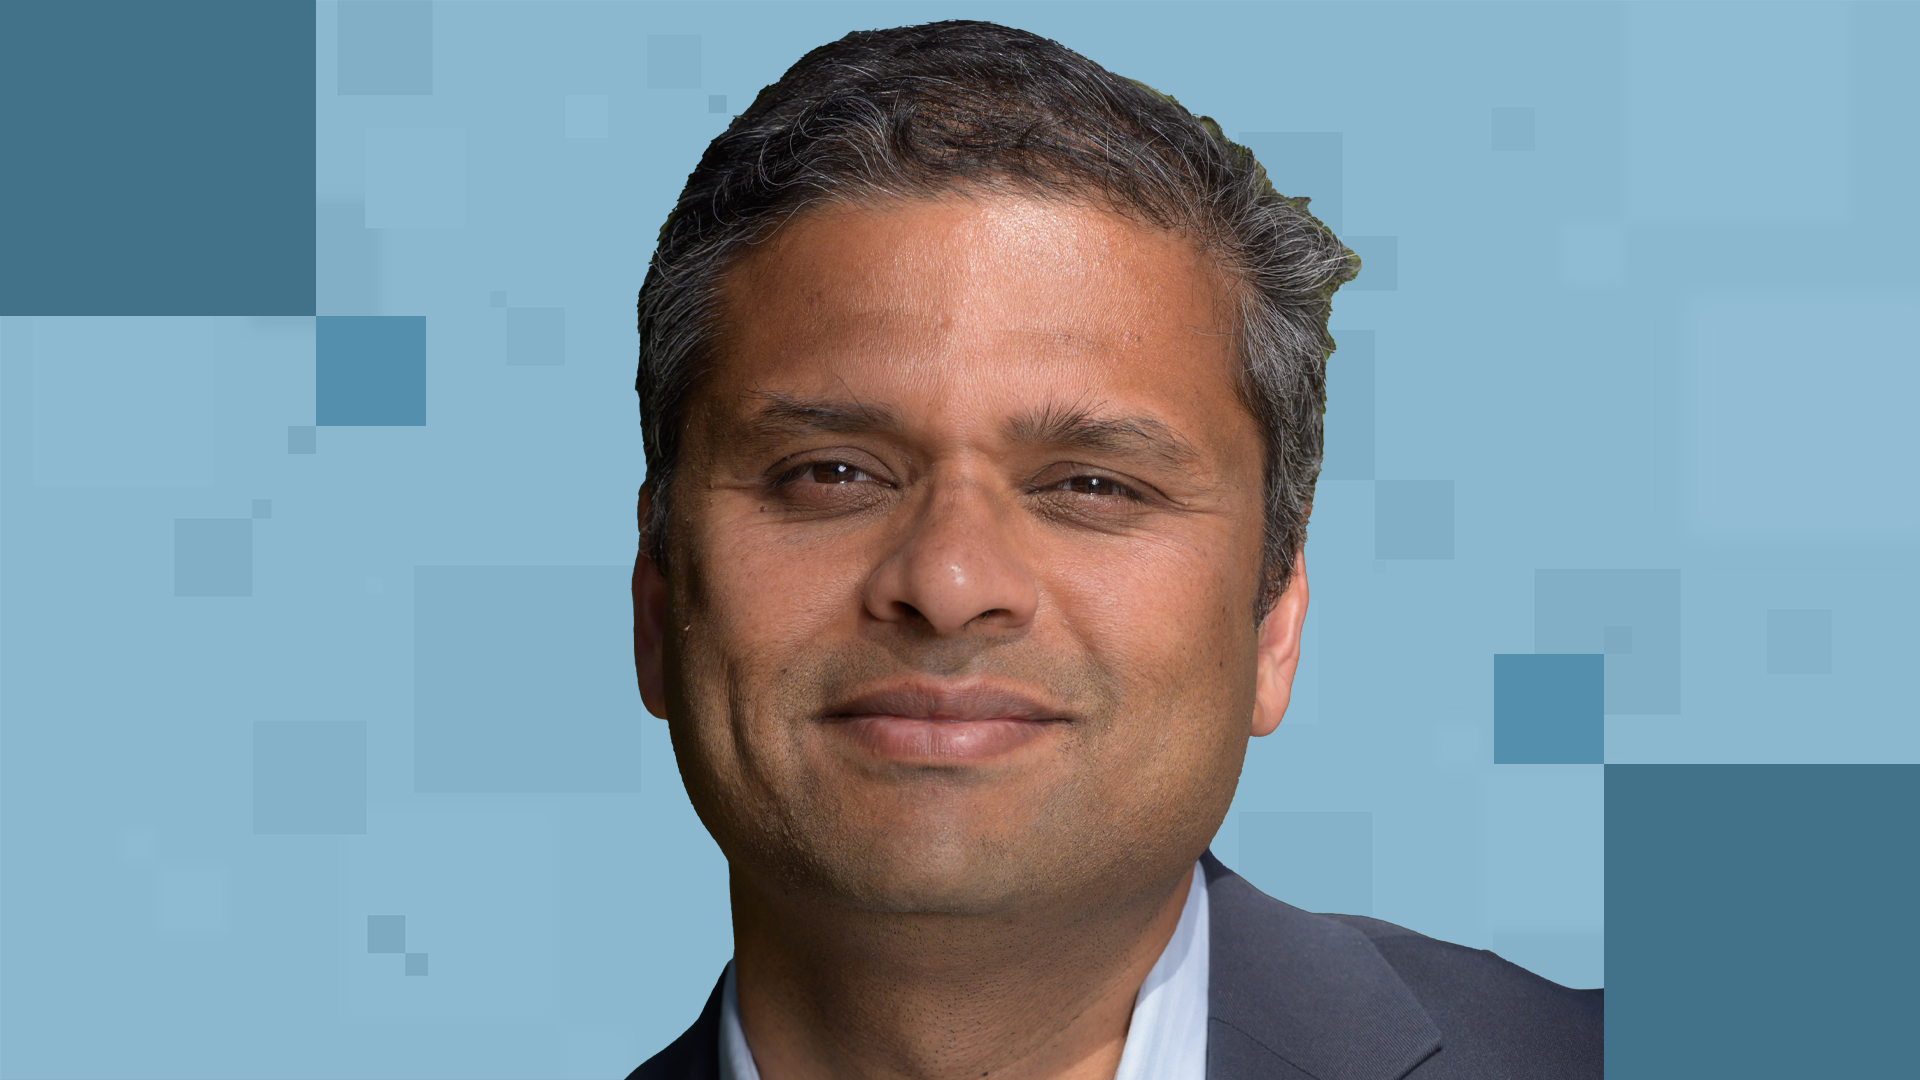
[(370, 370), (1617, 640), (386, 933), (159, 160), (213, 557), (1799, 642), (1513, 129), (1379, 263), (523, 680), (301, 440), (1729, 889), (1548, 708), (1350, 408), (385, 47), (1413, 519), (1320, 860), (716, 103), (262, 509), (673, 61), (536, 337), (1600, 611), (1304, 165), (310, 777), (416, 963)]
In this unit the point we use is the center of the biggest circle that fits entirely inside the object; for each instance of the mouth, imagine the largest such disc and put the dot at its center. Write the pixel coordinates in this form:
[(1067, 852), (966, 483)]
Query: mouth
[(937, 724)]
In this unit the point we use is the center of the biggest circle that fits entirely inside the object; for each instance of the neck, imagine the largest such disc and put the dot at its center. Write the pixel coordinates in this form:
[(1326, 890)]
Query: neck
[(828, 992)]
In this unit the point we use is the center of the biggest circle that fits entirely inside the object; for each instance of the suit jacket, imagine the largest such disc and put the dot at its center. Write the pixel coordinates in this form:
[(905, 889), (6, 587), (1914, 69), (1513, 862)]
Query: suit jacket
[(1297, 996)]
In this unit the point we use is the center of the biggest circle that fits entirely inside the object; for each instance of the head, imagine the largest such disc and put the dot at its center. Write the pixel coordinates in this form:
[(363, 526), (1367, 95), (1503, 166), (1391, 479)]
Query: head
[(982, 394)]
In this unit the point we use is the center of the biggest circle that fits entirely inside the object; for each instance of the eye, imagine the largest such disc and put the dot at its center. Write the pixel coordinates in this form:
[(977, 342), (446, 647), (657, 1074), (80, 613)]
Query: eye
[(1096, 485), (834, 472)]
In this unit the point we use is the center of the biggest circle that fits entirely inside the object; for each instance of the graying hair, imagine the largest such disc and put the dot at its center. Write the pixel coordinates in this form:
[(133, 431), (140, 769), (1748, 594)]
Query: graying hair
[(972, 106)]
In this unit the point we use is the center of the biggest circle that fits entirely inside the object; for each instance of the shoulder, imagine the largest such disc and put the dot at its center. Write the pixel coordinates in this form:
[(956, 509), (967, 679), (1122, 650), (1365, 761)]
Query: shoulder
[(1324, 992), (695, 1055), (1500, 1017)]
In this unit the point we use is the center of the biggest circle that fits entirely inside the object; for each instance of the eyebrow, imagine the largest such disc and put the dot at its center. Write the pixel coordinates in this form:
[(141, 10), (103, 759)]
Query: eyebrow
[(1082, 427), (1079, 427), (783, 416)]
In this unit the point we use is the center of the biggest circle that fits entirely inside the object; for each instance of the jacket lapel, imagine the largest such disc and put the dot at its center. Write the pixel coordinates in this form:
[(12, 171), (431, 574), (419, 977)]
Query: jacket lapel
[(1292, 994)]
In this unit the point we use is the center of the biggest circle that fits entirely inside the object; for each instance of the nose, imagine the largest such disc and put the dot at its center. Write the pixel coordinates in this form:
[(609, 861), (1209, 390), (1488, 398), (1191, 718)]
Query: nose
[(958, 569)]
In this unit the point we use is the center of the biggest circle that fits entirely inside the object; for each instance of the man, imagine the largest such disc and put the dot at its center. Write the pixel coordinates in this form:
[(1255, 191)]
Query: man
[(982, 396)]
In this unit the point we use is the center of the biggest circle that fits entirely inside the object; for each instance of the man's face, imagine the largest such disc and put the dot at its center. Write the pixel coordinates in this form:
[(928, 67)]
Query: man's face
[(966, 541)]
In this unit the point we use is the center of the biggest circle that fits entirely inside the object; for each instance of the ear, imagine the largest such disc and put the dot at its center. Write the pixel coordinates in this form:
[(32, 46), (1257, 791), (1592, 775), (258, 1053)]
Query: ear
[(649, 621), (1279, 651)]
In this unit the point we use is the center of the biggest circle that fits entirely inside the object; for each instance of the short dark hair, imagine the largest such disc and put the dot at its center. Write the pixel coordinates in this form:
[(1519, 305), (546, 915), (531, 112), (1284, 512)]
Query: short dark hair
[(969, 106)]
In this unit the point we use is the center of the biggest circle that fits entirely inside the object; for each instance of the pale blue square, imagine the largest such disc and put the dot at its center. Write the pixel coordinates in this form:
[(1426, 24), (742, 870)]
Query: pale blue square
[(1313, 859), (213, 557), (536, 337), (309, 777), (673, 61), (386, 933), (1413, 519), (1800, 642), (385, 47), (302, 440), (416, 963), (1513, 129), (1379, 263)]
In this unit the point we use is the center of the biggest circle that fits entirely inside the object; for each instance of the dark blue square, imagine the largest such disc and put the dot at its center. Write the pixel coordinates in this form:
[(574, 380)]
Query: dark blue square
[(1548, 708), (370, 370), (159, 158)]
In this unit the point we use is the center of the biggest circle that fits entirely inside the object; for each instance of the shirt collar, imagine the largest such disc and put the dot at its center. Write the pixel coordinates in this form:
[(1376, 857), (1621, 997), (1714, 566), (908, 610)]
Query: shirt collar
[(1166, 1038)]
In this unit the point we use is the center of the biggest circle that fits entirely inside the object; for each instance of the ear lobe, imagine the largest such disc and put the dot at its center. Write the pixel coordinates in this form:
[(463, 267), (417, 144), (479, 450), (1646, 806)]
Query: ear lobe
[(649, 625), (1279, 652)]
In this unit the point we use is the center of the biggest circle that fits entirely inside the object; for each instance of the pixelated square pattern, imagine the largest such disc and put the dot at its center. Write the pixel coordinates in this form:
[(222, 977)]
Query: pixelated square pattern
[(1513, 129), (370, 370), (1548, 709), (1319, 860), (386, 933), (1413, 519), (523, 679), (536, 337), (1304, 165), (213, 557), (587, 116), (673, 61), (1349, 421), (416, 963), (416, 178), (716, 103), (302, 440), (1800, 642), (310, 777), (1592, 611), (1379, 263), (385, 47)]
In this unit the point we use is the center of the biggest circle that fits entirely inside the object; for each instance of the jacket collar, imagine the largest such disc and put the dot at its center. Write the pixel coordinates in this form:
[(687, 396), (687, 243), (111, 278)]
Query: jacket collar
[(1309, 990)]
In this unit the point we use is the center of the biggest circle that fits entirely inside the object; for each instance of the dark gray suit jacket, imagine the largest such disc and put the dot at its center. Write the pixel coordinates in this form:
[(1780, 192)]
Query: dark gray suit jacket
[(1297, 996)]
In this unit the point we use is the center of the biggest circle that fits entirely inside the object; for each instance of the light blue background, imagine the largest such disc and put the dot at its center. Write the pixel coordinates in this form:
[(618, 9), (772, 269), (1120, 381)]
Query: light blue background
[(1675, 338)]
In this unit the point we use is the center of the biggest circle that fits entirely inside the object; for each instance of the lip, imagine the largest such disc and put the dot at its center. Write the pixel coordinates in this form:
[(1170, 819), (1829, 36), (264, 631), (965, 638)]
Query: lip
[(923, 723)]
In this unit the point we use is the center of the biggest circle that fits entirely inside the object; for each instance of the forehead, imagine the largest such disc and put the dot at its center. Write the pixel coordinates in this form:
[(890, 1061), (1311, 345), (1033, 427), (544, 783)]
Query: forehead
[(970, 297)]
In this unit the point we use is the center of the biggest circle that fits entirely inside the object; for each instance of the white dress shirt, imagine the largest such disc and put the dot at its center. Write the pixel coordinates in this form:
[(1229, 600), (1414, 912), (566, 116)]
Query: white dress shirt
[(1166, 1039)]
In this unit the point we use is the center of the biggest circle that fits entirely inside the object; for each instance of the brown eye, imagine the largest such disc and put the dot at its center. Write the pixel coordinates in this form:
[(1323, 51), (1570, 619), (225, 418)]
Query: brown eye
[(836, 472), (1097, 485)]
